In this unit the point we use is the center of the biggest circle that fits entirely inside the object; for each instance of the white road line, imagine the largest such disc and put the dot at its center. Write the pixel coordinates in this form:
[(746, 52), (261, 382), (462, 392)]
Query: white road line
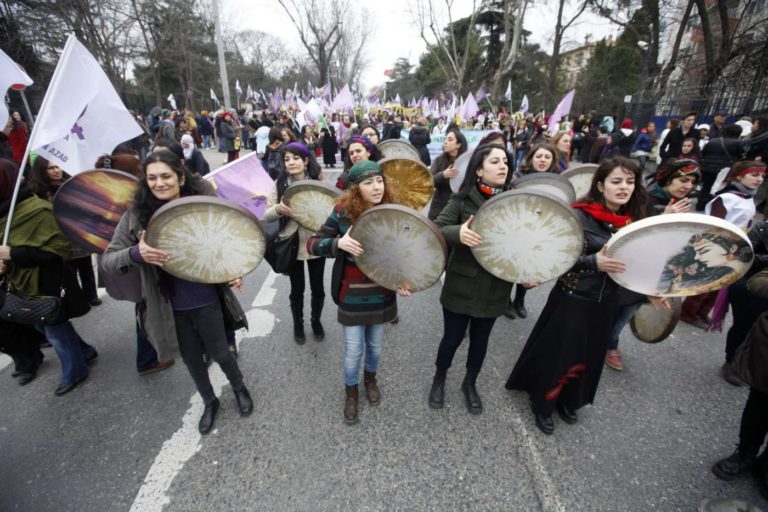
[(4, 361), (187, 441)]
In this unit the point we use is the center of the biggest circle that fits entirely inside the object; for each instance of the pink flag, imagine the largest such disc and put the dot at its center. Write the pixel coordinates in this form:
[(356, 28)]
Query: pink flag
[(244, 182), (563, 108), (470, 107), (343, 100)]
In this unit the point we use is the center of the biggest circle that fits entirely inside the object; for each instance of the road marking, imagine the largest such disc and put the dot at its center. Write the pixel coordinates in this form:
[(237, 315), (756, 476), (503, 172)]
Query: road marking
[(4, 361), (187, 441)]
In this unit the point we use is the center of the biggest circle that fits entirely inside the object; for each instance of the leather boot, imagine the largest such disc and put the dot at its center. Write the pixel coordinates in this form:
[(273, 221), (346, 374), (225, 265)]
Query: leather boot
[(350, 405), (471, 398), (208, 417), (371, 388), (437, 393), (297, 310), (317, 309), (244, 401)]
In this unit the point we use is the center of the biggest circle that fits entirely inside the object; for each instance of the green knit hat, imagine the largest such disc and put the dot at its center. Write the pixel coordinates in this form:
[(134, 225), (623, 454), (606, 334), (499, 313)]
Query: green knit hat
[(363, 170)]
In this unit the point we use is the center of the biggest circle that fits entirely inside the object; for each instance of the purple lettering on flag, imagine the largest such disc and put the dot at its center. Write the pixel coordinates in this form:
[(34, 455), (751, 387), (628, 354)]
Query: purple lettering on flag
[(76, 128)]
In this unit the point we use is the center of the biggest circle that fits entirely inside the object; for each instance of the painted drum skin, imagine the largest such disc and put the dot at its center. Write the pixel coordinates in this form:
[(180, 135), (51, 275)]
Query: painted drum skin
[(410, 180)]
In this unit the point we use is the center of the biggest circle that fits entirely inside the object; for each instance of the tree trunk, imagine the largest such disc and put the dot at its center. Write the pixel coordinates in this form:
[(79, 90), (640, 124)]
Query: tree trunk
[(555, 62), (670, 66)]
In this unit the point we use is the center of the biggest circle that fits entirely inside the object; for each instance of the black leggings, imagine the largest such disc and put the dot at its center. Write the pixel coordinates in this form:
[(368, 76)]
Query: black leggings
[(84, 268), (455, 325), (316, 269), (754, 423), (200, 327)]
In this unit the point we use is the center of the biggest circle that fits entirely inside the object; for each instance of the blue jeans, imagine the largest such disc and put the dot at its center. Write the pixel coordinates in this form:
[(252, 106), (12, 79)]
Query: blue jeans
[(519, 157), (356, 339), (622, 319), (70, 348), (206, 141)]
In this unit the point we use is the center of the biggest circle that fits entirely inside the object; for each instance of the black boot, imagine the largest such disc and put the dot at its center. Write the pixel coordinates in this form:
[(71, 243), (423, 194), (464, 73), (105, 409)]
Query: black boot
[(208, 417), (437, 393), (736, 465), (471, 398), (297, 310), (244, 401), (317, 309)]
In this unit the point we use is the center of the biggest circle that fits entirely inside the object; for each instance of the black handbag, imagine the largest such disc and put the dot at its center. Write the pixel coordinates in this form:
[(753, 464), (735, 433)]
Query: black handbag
[(281, 252), (20, 309)]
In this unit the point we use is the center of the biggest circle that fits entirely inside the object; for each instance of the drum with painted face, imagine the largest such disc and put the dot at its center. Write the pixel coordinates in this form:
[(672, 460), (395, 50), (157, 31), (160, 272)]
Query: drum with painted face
[(680, 255), (209, 240), (528, 236)]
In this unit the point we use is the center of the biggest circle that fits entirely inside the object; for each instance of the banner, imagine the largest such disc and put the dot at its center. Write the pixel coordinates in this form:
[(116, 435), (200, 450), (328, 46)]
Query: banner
[(11, 75), (436, 146), (244, 182), (82, 116)]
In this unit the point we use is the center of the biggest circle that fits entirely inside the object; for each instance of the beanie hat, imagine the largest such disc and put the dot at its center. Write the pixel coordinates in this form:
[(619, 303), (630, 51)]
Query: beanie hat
[(363, 170), (626, 123)]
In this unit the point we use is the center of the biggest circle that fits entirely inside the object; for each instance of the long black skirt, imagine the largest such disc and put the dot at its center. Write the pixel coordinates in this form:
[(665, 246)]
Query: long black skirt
[(562, 361)]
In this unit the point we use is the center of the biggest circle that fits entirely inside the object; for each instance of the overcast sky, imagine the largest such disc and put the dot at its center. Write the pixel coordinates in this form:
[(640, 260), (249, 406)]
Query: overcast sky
[(395, 35)]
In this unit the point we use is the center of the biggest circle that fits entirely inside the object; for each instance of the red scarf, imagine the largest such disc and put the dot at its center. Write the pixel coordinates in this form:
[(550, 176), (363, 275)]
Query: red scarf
[(603, 214)]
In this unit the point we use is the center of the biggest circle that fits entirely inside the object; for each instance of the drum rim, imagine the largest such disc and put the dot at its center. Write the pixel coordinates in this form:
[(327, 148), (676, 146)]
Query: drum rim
[(581, 168), (468, 155), (545, 176), (56, 207), (677, 307), (413, 213), (399, 142), (539, 193)]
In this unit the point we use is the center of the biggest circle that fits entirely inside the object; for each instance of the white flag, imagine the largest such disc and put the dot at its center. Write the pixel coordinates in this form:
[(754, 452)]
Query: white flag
[(213, 97), (238, 89), (10, 74), (524, 104), (82, 116), (508, 94), (172, 101), (249, 93)]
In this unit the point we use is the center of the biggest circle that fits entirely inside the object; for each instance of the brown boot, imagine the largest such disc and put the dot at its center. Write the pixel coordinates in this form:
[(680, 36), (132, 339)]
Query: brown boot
[(350, 405), (371, 388)]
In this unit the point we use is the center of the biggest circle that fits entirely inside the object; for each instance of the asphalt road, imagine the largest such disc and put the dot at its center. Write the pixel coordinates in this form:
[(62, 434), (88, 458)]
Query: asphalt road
[(122, 442)]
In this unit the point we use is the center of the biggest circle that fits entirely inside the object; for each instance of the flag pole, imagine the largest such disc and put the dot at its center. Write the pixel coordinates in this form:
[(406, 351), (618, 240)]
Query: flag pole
[(54, 80)]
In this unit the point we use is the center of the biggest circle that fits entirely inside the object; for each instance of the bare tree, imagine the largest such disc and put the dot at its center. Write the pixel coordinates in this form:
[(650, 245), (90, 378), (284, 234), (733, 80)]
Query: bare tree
[(560, 29), (452, 54), (320, 26), (350, 59), (512, 9)]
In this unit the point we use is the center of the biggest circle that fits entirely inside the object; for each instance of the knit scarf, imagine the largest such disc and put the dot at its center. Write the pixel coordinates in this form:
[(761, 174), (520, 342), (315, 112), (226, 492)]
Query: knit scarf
[(600, 212)]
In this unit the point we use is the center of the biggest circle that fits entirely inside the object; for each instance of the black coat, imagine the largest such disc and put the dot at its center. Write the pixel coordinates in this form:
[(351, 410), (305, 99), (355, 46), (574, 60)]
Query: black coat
[(584, 280), (419, 137), (672, 145), (197, 163), (443, 189), (719, 153)]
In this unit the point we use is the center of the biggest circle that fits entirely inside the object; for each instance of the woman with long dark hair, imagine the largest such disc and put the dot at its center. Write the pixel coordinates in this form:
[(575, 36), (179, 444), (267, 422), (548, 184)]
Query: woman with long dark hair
[(472, 298), (562, 361), (179, 314), (443, 169), (364, 306), (299, 164)]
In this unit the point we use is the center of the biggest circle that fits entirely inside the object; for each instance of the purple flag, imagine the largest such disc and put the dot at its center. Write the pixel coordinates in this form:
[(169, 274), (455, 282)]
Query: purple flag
[(480, 94), (470, 108), (563, 108), (343, 100), (244, 182)]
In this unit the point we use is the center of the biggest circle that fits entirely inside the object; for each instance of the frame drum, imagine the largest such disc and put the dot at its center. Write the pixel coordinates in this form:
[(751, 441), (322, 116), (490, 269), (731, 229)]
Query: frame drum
[(580, 176), (680, 255), (89, 206), (653, 326), (311, 201), (528, 236), (210, 240), (402, 248), (398, 148), (411, 182), (461, 164), (549, 183)]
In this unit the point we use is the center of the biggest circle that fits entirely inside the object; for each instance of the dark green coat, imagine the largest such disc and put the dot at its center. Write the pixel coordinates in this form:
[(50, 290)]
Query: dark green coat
[(469, 289)]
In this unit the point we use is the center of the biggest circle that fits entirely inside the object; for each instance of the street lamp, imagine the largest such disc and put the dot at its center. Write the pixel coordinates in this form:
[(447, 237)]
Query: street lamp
[(644, 47)]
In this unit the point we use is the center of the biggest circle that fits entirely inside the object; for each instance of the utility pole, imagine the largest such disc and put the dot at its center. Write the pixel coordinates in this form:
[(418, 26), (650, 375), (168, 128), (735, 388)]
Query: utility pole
[(222, 63)]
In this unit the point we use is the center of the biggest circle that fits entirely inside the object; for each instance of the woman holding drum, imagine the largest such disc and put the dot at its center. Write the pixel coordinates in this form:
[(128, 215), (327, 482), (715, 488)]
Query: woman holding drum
[(364, 307), (443, 170), (299, 164), (179, 313), (561, 364), (471, 296)]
